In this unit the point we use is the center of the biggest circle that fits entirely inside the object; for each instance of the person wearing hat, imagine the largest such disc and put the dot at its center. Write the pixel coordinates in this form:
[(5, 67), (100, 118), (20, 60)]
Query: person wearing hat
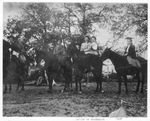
[(131, 54), (86, 46)]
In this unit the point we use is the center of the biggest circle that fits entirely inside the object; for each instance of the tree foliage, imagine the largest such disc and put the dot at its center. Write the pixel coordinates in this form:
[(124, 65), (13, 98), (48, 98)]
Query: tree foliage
[(45, 24)]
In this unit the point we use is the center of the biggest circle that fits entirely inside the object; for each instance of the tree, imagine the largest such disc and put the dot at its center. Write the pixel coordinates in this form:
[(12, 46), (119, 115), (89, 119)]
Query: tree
[(126, 17), (37, 22), (46, 24), (80, 14)]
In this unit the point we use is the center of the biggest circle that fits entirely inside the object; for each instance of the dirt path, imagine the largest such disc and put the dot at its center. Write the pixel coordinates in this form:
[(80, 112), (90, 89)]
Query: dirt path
[(35, 101)]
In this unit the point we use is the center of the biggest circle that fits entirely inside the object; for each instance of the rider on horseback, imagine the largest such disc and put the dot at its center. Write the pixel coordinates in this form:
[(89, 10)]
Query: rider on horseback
[(86, 45), (94, 46), (60, 52), (131, 54), (90, 47)]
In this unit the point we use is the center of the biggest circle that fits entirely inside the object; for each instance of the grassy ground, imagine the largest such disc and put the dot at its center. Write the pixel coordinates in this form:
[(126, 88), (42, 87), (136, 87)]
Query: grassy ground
[(35, 101)]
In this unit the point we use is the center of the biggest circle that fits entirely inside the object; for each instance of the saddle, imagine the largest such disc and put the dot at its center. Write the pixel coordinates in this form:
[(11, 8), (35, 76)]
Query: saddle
[(131, 69)]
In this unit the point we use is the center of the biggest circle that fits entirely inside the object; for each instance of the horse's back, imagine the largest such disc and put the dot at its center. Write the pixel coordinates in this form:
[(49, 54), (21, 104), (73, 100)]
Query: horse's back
[(142, 60)]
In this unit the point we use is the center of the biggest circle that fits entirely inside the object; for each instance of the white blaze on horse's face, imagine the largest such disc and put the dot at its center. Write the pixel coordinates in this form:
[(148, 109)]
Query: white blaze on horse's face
[(92, 68), (71, 60), (42, 63), (15, 53), (77, 46), (35, 62), (10, 49)]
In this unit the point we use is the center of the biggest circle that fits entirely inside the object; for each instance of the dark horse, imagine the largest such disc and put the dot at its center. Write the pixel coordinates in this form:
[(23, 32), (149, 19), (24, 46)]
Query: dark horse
[(13, 69), (123, 68), (15, 73), (9, 65), (52, 66), (85, 63)]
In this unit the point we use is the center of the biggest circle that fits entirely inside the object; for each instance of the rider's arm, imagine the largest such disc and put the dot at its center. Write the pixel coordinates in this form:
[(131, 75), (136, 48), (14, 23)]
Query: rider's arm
[(88, 47), (82, 47), (94, 46), (125, 52)]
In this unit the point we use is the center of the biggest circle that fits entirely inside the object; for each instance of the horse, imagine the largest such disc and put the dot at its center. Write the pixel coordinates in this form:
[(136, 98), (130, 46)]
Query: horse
[(85, 63), (13, 68), (52, 66), (14, 72), (123, 68), (6, 56)]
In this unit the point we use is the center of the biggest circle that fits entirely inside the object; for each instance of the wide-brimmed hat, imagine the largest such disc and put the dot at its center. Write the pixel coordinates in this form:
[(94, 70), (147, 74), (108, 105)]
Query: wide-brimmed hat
[(130, 38), (88, 36), (93, 37)]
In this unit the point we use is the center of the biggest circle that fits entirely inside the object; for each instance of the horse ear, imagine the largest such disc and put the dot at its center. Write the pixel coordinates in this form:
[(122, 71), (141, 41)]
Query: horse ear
[(108, 48)]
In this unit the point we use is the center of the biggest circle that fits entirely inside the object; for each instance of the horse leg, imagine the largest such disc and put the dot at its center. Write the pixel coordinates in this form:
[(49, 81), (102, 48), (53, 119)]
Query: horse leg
[(97, 82), (125, 83), (70, 84), (76, 82), (50, 80), (50, 84), (119, 84), (100, 83), (143, 79), (22, 84), (79, 81), (5, 89), (17, 89), (76, 86), (66, 81), (10, 88), (97, 87), (65, 87), (80, 86), (138, 79)]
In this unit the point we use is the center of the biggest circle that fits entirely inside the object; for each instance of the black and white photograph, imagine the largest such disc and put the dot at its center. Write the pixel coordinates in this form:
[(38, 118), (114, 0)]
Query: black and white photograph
[(75, 59)]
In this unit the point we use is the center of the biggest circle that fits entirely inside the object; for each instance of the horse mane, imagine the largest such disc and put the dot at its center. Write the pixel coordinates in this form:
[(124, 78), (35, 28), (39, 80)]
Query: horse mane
[(72, 49), (120, 58), (116, 54), (141, 59)]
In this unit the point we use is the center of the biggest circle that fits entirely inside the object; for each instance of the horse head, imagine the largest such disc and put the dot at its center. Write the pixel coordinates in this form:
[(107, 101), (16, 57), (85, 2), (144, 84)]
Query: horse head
[(106, 54), (72, 49)]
